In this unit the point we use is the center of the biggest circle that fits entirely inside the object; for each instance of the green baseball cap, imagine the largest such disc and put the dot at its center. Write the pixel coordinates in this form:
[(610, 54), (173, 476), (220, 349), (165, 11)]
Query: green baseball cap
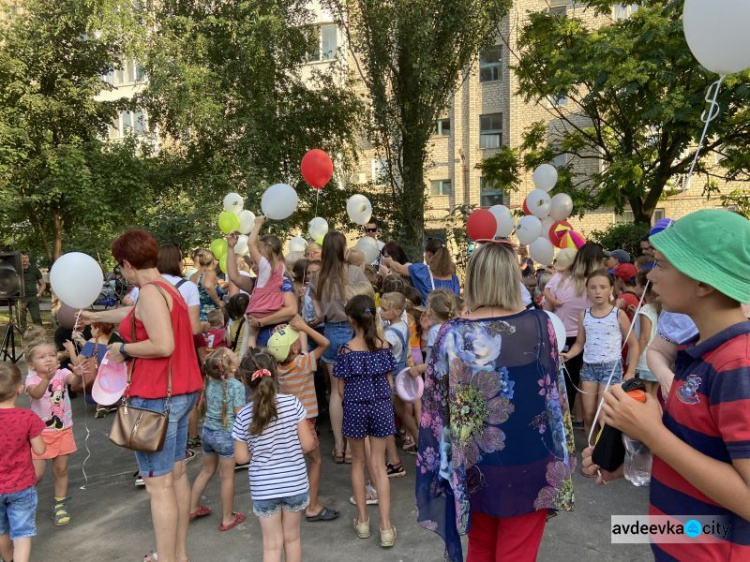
[(281, 342), (711, 246)]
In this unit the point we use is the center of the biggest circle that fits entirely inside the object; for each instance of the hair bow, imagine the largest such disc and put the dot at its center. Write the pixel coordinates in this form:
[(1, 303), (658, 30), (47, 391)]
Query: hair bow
[(260, 373), (368, 309)]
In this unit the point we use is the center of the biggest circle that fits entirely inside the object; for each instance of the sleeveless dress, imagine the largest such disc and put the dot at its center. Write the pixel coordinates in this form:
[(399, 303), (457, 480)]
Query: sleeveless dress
[(207, 303)]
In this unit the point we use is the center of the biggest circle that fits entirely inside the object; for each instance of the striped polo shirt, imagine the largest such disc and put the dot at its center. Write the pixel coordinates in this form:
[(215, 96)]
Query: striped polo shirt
[(709, 409), (277, 468), (297, 378)]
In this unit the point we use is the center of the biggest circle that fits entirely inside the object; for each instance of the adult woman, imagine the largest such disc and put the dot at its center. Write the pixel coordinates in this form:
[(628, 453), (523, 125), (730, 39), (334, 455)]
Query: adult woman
[(438, 271), (313, 251), (169, 265), (161, 346), (495, 444), (327, 290), (569, 300), (207, 282)]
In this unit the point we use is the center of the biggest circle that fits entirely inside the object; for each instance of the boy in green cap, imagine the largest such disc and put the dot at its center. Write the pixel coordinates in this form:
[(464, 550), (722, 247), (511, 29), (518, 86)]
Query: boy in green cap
[(701, 442)]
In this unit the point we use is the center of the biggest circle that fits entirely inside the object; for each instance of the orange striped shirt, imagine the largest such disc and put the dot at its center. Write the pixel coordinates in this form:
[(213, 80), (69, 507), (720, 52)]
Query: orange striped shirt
[(297, 378)]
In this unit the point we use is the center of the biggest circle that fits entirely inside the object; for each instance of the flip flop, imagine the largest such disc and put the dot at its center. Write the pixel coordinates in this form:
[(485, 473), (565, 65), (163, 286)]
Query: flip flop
[(202, 511), (324, 514), (238, 518)]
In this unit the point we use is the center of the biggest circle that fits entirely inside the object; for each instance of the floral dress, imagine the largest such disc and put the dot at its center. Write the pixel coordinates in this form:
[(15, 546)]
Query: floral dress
[(495, 435)]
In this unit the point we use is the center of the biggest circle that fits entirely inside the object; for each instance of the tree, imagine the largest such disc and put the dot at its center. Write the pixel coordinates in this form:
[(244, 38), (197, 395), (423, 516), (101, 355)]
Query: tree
[(411, 56), (55, 171), (634, 95)]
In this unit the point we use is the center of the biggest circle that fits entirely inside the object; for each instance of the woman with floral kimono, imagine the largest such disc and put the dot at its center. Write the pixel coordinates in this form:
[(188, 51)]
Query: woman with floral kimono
[(496, 449)]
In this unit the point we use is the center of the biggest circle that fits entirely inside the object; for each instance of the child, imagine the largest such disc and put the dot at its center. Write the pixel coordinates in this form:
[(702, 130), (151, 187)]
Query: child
[(700, 442), (225, 397), (267, 296), (46, 384), (441, 308), (296, 370), (307, 307), (628, 298), (601, 330), (645, 330), (21, 434), (216, 337), (237, 331), (272, 434), (364, 369)]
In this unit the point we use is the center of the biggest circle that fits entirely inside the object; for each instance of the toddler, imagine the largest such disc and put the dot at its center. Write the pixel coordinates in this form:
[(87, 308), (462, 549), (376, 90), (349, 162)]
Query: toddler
[(216, 337)]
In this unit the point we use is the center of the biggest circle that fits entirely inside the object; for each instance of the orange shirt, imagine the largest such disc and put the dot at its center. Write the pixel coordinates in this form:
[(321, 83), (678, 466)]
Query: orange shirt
[(297, 378)]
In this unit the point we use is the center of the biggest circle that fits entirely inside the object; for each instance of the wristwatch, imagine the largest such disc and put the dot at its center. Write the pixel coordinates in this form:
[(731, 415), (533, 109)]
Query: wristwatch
[(123, 352)]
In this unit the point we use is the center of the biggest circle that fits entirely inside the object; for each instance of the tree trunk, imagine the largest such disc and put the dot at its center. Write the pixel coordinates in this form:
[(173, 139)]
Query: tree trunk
[(412, 197), (58, 222)]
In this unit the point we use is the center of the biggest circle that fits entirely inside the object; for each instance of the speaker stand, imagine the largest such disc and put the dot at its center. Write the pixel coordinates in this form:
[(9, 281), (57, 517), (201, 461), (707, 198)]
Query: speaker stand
[(8, 350)]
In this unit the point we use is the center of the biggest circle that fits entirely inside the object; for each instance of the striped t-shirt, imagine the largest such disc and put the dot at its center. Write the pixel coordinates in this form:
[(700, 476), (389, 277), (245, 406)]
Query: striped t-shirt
[(277, 468), (708, 408), (297, 378)]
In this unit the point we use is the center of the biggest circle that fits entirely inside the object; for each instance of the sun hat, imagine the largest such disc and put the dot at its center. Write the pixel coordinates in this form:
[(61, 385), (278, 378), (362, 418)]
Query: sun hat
[(110, 383), (626, 271), (409, 388), (620, 255), (280, 342), (565, 258), (711, 246)]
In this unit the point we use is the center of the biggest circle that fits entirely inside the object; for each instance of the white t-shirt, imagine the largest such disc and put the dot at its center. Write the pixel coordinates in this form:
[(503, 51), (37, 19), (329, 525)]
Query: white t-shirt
[(188, 290), (245, 274), (525, 295), (277, 468), (649, 311)]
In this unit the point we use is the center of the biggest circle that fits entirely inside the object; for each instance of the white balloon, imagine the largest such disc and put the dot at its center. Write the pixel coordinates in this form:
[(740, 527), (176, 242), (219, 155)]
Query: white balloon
[(293, 257), (247, 221), (241, 248), (545, 177), (359, 209), (318, 227), (233, 203), (562, 206), (716, 32), (369, 247), (546, 225), (279, 201), (504, 220), (559, 327), (76, 279), (539, 203), (529, 229), (541, 250), (297, 244)]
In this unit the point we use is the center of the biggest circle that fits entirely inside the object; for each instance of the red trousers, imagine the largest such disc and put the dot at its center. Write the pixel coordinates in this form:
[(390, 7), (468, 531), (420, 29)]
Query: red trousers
[(497, 539)]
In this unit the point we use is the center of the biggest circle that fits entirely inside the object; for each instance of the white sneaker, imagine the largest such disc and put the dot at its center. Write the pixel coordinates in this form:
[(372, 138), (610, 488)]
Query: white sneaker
[(371, 497)]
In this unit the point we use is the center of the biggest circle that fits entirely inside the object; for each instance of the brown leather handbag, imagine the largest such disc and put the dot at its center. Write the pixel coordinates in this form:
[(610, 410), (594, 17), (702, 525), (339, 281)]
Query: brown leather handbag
[(140, 429)]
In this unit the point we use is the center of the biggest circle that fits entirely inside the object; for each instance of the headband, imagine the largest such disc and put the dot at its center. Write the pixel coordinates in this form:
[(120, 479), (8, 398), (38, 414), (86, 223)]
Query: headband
[(260, 373)]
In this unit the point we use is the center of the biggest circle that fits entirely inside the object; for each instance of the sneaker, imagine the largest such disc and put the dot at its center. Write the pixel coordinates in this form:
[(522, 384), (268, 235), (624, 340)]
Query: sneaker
[(388, 537), (243, 466), (371, 497), (395, 471), (139, 483), (190, 455), (362, 529)]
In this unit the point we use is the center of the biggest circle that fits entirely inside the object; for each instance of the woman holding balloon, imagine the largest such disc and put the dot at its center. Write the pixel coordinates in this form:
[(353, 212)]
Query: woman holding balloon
[(208, 284)]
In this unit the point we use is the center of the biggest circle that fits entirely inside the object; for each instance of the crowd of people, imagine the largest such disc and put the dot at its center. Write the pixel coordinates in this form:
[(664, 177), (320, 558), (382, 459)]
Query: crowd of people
[(254, 357)]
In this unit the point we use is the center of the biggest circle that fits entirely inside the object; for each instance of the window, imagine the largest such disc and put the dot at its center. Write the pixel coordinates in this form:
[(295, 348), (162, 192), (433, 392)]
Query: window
[(560, 9), (627, 216), (440, 188), (623, 11), (561, 160), (490, 130), (491, 194), (130, 73), (557, 101), (443, 127), (489, 64), (379, 172), (327, 43), (128, 123)]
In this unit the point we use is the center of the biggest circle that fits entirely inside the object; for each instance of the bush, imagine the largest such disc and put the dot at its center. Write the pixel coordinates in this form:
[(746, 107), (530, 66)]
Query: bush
[(626, 236)]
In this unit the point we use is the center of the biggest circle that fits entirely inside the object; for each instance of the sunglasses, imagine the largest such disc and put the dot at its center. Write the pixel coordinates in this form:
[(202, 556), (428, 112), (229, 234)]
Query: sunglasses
[(371, 229)]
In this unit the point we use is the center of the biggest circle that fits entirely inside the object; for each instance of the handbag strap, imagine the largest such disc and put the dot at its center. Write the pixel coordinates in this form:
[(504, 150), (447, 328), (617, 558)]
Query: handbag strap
[(133, 336)]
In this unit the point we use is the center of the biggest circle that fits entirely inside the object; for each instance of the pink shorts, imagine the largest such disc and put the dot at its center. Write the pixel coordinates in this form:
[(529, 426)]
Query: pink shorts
[(59, 443)]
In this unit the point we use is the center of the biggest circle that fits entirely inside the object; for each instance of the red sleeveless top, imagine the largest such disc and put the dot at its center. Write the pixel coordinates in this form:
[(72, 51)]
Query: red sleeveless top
[(150, 375)]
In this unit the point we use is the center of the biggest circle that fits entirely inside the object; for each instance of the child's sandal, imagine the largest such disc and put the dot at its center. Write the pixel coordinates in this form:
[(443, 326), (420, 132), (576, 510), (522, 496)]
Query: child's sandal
[(60, 515)]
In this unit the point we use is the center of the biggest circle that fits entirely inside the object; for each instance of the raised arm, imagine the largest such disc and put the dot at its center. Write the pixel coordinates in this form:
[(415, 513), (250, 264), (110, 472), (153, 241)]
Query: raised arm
[(252, 241), (233, 272)]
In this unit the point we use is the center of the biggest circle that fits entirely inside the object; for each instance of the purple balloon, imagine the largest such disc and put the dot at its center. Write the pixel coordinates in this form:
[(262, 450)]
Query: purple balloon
[(660, 225)]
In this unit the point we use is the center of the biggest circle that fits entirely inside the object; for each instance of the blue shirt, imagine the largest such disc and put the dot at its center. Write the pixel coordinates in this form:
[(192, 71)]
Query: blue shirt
[(426, 283), (216, 398)]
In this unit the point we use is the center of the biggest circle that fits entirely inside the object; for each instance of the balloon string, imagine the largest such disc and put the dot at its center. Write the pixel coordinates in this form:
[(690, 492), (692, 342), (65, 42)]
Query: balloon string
[(317, 197), (85, 418), (712, 95)]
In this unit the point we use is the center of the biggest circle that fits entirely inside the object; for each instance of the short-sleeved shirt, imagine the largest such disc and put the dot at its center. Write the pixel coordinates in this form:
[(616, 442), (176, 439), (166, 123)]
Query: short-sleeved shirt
[(297, 378), (708, 408), (422, 279), (332, 305), (54, 406), (215, 397), (564, 290), (16, 469), (187, 289), (277, 468), (31, 276), (365, 374)]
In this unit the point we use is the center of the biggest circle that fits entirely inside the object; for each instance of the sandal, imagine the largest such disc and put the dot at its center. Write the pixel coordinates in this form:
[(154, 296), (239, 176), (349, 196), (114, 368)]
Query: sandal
[(238, 518), (348, 458), (338, 458), (60, 514), (202, 511), (324, 514), (101, 413)]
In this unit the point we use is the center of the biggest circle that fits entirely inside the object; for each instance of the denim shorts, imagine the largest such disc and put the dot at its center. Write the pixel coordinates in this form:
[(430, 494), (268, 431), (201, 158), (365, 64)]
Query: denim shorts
[(292, 504), (645, 375), (338, 333), (175, 443), (18, 513), (599, 372), (218, 442)]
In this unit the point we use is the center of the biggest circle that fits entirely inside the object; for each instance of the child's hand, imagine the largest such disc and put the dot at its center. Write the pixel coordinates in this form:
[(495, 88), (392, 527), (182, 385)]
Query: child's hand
[(603, 477), (232, 239), (69, 347), (297, 323), (637, 420), (564, 356), (383, 269), (414, 372)]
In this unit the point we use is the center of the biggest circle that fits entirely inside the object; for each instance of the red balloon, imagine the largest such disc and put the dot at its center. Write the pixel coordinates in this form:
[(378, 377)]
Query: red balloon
[(481, 225), (526, 208), (557, 232), (317, 168)]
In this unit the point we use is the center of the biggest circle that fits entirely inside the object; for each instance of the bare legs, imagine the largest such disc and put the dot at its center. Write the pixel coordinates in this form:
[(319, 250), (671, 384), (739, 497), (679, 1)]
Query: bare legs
[(281, 532), (59, 470), (313, 476), (18, 551), (170, 511), (335, 412), (378, 476)]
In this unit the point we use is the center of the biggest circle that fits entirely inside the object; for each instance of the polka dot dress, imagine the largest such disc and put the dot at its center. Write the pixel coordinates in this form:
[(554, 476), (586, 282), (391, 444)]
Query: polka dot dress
[(368, 409)]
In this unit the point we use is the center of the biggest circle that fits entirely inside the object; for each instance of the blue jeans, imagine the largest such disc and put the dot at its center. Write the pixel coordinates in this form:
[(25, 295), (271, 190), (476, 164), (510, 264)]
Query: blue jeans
[(338, 333), (292, 504), (175, 443), (599, 372), (18, 513), (218, 442)]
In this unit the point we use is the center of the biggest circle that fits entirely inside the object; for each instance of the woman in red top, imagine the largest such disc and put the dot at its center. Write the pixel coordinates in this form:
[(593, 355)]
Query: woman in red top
[(163, 338)]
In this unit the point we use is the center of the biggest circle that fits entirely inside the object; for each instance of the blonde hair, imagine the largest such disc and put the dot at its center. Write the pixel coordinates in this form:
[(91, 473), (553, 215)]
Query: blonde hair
[(204, 258), (313, 246), (34, 333), (442, 306), (215, 318), (32, 347), (395, 300), (356, 258), (216, 367), (493, 278), (360, 288)]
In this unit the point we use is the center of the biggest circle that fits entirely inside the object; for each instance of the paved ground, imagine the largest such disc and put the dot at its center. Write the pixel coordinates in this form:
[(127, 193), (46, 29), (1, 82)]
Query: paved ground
[(111, 518)]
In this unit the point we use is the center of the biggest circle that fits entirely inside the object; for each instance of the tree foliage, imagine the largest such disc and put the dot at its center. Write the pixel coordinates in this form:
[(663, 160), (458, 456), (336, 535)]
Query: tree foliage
[(411, 57), (635, 95)]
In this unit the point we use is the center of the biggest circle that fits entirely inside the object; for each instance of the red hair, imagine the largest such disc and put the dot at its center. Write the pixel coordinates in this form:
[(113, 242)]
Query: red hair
[(104, 327), (138, 248)]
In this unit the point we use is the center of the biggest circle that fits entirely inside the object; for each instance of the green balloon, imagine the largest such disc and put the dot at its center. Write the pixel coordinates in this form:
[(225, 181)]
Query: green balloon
[(223, 263), (228, 222), (218, 247)]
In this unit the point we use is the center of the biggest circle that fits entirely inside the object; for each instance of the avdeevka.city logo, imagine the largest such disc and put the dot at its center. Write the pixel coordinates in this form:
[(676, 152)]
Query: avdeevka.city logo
[(632, 529)]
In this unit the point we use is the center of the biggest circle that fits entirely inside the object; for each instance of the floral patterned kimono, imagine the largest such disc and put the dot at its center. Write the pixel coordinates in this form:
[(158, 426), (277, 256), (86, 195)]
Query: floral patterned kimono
[(495, 435)]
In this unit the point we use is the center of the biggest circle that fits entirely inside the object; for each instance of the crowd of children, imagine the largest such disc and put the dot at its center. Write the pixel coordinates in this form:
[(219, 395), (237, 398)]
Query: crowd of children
[(261, 402)]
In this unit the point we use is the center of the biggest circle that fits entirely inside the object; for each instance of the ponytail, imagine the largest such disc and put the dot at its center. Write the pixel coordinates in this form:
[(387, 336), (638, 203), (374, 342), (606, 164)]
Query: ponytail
[(361, 310), (258, 369)]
